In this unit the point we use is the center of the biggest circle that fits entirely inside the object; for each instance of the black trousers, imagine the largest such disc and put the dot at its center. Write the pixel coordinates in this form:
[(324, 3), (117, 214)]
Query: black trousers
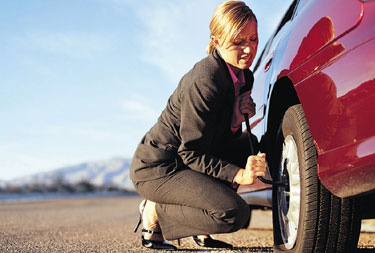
[(191, 203)]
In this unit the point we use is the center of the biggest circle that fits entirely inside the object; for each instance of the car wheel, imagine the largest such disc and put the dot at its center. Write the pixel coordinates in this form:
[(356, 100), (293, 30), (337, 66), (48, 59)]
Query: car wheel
[(306, 216)]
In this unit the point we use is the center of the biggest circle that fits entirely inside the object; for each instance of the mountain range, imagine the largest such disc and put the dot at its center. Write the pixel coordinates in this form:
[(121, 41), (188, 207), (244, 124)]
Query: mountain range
[(101, 173)]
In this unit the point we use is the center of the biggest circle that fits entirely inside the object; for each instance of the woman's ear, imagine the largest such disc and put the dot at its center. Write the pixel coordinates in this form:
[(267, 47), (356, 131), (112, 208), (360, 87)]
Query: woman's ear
[(215, 41)]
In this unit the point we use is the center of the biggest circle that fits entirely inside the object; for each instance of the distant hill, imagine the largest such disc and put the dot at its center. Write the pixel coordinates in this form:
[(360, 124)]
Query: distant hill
[(101, 173)]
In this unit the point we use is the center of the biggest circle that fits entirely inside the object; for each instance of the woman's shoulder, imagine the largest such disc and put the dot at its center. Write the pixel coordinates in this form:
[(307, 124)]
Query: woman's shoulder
[(210, 71), (210, 67), (209, 79)]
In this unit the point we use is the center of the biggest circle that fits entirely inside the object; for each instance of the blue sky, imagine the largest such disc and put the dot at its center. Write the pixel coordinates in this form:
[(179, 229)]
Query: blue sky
[(83, 80)]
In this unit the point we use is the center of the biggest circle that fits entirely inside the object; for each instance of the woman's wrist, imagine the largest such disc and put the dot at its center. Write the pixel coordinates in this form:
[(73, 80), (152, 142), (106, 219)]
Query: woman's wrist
[(235, 128), (238, 177)]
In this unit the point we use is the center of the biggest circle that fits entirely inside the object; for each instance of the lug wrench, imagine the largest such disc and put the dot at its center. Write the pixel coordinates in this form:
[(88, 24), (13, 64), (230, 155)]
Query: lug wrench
[(266, 181)]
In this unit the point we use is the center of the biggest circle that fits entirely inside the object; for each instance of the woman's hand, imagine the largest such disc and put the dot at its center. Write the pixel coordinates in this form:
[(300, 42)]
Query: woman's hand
[(243, 104), (255, 167)]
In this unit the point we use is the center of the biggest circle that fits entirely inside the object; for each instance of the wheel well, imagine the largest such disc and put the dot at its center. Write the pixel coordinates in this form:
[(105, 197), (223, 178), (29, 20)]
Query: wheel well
[(283, 96)]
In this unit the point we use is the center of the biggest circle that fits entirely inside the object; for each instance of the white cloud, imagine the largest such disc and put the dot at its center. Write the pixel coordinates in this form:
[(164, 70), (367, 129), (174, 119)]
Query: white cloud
[(38, 67), (176, 32), (138, 109), (87, 134), (72, 44)]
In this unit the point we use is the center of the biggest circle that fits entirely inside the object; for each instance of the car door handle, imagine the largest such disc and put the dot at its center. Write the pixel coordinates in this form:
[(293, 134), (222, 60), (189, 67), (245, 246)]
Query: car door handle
[(268, 64)]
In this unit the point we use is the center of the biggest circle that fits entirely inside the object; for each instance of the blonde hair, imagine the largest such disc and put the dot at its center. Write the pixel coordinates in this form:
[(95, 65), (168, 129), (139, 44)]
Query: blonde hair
[(228, 20)]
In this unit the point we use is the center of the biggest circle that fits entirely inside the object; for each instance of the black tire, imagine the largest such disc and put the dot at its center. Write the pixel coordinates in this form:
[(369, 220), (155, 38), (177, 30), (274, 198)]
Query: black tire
[(313, 220)]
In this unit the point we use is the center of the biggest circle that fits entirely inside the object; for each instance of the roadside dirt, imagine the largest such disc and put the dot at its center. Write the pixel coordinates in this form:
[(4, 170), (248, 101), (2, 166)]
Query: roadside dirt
[(106, 225)]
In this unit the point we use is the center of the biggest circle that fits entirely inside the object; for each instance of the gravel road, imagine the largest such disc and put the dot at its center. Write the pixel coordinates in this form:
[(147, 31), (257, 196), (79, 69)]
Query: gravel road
[(105, 224)]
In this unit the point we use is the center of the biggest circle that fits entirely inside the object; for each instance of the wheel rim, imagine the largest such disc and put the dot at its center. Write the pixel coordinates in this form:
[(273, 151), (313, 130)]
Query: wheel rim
[(289, 197)]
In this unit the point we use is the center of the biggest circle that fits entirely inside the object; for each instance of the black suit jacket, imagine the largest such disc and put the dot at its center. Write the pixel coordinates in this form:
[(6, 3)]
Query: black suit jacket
[(194, 129)]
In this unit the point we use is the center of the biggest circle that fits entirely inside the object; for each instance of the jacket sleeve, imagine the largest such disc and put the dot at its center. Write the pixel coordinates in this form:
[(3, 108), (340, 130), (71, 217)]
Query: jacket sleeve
[(201, 104)]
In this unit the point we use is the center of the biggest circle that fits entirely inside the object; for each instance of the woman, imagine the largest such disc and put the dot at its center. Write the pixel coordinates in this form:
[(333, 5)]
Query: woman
[(188, 163)]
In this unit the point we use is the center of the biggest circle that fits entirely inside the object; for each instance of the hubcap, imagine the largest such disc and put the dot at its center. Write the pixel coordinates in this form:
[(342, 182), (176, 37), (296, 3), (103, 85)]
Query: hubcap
[(289, 196)]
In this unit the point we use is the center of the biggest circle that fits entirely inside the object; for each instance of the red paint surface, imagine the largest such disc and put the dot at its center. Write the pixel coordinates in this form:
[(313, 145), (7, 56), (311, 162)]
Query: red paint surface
[(336, 87), (349, 170), (329, 55)]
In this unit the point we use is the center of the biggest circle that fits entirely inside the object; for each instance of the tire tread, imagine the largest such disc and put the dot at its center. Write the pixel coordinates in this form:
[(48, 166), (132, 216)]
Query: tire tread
[(329, 224)]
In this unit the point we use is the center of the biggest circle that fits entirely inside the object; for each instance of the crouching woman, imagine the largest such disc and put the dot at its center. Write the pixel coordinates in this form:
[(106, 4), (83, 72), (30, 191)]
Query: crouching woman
[(188, 164)]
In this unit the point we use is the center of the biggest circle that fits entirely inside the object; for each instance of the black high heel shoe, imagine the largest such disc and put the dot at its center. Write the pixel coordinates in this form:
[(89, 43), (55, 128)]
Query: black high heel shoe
[(211, 243), (151, 244)]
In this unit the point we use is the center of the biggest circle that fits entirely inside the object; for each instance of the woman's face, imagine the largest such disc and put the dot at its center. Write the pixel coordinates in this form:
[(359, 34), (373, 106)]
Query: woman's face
[(241, 52)]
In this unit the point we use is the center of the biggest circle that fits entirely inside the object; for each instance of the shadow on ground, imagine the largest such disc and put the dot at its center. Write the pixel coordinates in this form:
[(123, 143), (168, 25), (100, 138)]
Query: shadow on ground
[(235, 249), (370, 249)]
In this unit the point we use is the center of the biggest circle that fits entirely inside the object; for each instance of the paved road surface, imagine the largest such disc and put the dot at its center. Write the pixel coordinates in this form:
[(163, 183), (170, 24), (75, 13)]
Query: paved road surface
[(105, 225)]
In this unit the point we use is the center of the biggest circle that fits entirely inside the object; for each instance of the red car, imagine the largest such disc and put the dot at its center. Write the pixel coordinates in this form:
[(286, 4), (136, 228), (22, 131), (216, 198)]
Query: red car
[(315, 94)]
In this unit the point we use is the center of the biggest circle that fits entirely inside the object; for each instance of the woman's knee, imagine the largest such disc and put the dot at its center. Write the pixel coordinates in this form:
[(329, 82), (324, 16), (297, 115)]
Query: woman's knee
[(242, 216), (232, 219)]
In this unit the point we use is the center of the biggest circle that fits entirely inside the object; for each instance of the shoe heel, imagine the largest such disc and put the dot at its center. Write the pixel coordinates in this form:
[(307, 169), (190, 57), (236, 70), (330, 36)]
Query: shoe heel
[(138, 223), (141, 208)]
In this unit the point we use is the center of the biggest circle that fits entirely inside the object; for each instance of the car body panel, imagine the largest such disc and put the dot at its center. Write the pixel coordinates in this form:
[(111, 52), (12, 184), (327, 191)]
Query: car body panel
[(317, 25), (327, 51), (336, 88)]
